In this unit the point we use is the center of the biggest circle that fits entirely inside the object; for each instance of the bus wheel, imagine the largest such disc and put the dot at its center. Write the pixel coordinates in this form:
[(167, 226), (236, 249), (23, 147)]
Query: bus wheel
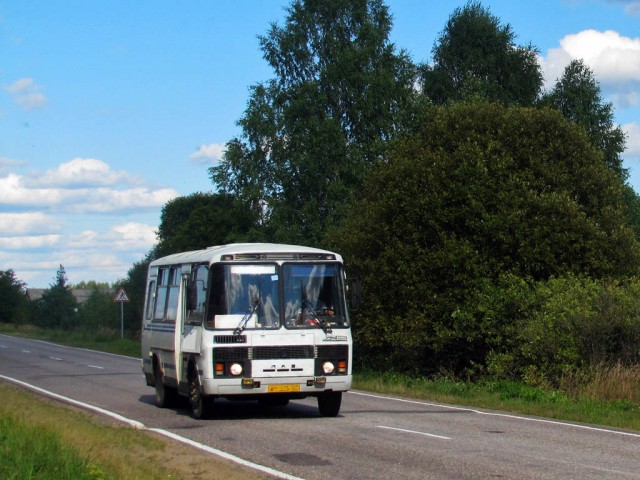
[(164, 395), (329, 403), (200, 404)]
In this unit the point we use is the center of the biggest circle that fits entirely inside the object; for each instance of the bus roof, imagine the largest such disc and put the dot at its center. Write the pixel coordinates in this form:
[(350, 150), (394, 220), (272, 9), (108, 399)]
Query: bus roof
[(247, 251)]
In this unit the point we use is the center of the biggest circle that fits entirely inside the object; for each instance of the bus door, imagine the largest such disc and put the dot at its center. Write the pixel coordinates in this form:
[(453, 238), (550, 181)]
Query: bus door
[(188, 338)]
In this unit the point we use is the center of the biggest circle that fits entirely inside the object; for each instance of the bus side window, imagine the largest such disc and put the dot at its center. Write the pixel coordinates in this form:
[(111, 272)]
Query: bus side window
[(151, 296), (161, 296), (198, 294), (217, 295), (173, 294)]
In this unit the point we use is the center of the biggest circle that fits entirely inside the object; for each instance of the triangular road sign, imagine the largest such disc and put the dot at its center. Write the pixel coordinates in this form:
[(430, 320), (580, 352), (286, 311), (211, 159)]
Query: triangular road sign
[(121, 296)]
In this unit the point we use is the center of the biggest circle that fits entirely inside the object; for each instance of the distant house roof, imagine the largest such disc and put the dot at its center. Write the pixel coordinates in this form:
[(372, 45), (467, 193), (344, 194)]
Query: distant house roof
[(35, 293), (80, 294)]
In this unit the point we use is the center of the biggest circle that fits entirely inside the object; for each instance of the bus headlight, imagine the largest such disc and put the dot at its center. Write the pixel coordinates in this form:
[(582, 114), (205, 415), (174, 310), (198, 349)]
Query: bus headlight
[(235, 369), (328, 368)]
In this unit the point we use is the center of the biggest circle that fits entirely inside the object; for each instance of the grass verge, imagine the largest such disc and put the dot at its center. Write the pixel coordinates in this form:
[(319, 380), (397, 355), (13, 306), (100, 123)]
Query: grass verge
[(104, 341), (27, 452), (41, 439), (508, 396)]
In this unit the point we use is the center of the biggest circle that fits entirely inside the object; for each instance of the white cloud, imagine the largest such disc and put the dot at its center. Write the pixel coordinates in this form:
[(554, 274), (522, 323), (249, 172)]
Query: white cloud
[(211, 153), (28, 222), (14, 192), (134, 235), (39, 269), (29, 242), (70, 221), (128, 236), (8, 163), (72, 215), (626, 99), (103, 200), (614, 59), (81, 172), (17, 190), (633, 139), (27, 94), (104, 255)]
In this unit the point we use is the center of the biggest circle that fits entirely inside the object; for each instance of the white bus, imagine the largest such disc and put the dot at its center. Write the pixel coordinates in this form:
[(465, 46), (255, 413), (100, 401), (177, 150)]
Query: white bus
[(247, 321)]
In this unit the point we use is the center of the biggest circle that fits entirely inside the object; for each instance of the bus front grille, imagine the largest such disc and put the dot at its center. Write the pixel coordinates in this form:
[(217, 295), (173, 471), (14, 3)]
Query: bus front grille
[(230, 353), (280, 352), (230, 339), (333, 351), (285, 351)]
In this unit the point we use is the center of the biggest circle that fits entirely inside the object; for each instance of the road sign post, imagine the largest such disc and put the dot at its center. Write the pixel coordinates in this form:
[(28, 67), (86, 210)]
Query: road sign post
[(121, 298)]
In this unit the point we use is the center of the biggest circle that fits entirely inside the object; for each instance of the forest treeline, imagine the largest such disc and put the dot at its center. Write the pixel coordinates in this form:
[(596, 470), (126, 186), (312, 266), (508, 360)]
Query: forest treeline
[(490, 220)]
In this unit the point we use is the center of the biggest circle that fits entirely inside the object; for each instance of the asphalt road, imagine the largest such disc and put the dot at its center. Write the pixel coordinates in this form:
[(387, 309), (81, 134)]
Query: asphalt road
[(373, 437)]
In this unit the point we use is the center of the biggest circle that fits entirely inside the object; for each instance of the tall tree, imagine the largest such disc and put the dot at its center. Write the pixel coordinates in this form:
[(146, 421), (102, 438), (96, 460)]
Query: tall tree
[(577, 95), (58, 308), (201, 220), (13, 295), (310, 134), (476, 58)]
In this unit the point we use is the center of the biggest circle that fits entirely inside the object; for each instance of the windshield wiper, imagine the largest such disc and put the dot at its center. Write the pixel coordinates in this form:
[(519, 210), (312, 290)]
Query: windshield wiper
[(304, 303), (247, 316)]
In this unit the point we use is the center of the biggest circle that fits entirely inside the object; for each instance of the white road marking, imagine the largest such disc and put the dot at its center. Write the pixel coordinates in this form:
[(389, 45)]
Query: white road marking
[(416, 432), (166, 433), (26, 351), (504, 415), (56, 358), (95, 366), (77, 348)]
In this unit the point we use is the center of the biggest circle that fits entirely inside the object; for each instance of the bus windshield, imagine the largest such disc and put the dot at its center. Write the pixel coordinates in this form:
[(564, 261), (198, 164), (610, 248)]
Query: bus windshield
[(247, 293), (248, 296), (314, 296)]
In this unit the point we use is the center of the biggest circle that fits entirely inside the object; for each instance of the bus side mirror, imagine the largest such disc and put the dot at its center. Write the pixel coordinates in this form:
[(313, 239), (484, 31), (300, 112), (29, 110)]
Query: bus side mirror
[(355, 290)]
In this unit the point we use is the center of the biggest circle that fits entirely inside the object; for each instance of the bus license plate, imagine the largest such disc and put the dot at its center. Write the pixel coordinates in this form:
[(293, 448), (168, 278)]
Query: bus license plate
[(284, 388)]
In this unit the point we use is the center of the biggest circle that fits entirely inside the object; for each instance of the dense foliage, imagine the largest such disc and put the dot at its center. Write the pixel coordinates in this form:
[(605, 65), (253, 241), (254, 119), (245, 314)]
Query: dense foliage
[(202, 220), (13, 301), (476, 58), (310, 134), (482, 195), (577, 96), (57, 308)]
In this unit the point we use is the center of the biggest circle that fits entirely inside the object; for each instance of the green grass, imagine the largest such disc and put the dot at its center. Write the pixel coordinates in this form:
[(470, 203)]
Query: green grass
[(42, 439), (508, 396), (27, 452)]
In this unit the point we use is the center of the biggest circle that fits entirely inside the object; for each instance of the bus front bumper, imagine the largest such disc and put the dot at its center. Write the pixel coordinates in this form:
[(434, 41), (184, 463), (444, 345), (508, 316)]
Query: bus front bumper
[(294, 386)]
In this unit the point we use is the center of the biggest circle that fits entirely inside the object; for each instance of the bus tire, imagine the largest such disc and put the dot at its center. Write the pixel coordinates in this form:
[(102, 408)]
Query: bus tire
[(165, 396), (201, 405), (329, 403)]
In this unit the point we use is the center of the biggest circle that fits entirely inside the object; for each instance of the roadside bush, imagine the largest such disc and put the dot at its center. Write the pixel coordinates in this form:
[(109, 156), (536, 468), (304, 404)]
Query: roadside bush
[(100, 312), (574, 324), (558, 332)]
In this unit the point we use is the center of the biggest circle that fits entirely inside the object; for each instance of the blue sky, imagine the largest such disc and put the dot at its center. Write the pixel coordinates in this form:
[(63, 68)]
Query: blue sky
[(110, 109)]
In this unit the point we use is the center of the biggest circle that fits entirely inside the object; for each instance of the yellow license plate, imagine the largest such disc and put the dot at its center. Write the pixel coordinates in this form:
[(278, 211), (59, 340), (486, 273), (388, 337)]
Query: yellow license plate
[(284, 388)]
